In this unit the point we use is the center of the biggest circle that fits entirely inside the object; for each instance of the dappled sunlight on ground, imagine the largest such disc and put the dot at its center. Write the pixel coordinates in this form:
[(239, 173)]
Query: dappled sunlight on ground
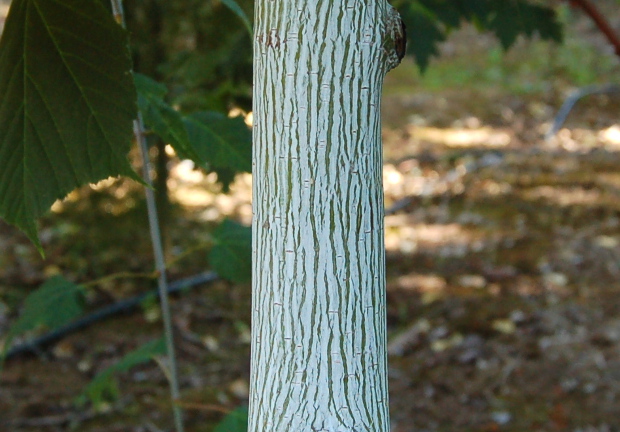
[(445, 240), (199, 192), (564, 196), (503, 254), (610, 137), (502, 277), (461, 137)]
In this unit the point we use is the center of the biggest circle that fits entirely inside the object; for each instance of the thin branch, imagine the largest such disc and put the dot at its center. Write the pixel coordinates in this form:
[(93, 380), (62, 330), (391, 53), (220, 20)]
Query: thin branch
[(570, 102), (160, 267), (158, 251), (600, 22)]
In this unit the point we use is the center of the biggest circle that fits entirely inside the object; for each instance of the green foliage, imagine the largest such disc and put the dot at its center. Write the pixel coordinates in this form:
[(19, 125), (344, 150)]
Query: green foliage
[(423, 33), (49, 146), (67, 107), (52, 305), (212, 140), (235, 421), (231, 256), (222, 144), (160, 117), (513, 18), (430, 21), (200, 50), (104, 386)]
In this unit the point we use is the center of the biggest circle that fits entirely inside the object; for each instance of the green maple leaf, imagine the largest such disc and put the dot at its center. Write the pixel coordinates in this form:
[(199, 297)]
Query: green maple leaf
[(423, 33), (212, 140), (231, 256), (430, 21), (67, 102), (104, 385), (510, 18), (220, 141), (52, 305)]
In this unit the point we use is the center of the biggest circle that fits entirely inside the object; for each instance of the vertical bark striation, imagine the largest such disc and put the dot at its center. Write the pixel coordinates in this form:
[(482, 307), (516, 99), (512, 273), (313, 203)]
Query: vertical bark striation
[(318, 319)]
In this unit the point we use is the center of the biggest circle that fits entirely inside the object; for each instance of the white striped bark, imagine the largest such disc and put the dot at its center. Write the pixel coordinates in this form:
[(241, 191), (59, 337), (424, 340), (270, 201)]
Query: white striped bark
[(319, 358)]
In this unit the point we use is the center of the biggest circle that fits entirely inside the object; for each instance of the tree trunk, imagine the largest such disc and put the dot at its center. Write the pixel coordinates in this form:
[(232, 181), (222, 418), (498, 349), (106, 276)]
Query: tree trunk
[(319, 358)]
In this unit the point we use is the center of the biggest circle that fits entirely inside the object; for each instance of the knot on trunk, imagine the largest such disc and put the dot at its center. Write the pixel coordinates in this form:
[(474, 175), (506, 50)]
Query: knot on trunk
[(396, 38)]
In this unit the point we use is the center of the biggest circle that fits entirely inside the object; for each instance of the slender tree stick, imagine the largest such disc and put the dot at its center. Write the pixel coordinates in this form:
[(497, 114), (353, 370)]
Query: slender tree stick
[(600, 22), (160, 266), (158, 252)]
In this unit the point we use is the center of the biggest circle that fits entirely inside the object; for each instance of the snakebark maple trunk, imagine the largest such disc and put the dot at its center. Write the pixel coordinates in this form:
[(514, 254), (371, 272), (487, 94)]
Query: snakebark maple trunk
[(319, 358)]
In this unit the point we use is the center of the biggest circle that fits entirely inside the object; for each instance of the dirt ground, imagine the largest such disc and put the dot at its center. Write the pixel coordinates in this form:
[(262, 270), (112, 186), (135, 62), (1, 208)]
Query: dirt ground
[(503, 256), (503, 287)]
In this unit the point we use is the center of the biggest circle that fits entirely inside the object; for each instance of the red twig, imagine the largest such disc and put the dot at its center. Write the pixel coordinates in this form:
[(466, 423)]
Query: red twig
[(600, 22)]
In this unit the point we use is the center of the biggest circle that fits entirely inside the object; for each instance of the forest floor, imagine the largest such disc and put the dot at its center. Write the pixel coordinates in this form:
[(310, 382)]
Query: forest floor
[(503, 255)]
